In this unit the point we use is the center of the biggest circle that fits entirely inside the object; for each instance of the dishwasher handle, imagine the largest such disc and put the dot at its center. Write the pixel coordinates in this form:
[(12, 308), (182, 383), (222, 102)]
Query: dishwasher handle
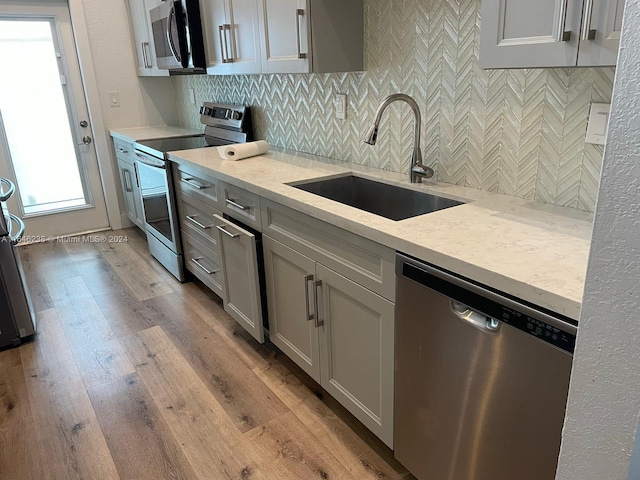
[(479, 320)]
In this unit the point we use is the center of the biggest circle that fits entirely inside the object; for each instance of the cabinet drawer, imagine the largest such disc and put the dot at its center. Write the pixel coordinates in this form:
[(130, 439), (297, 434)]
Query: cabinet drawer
[(359, 259), (124, 150), (196, 218), (204, 263), (240, 204), (198, 185)]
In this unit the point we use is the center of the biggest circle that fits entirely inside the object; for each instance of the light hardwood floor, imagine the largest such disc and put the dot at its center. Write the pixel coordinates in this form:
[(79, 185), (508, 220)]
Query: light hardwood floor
[(133, 375)]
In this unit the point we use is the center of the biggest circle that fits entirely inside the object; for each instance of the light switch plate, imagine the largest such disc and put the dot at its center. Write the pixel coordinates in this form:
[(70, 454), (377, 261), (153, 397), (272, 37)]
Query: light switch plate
[(598, 123), (114, 98), (340, 101)]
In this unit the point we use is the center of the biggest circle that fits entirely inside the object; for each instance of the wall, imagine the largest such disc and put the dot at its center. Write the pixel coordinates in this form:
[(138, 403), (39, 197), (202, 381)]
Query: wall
[(143, 101), (604, 397), (518, 132)]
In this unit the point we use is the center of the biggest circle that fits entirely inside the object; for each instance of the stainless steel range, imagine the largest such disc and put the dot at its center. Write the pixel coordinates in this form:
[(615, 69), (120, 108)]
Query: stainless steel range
[(224, 125)]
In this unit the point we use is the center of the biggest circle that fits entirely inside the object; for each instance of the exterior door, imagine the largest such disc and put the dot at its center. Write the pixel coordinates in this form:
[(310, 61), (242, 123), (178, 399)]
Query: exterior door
[(46, 140)]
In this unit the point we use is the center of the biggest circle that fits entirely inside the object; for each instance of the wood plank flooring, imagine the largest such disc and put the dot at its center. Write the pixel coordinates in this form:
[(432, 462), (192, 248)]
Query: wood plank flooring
[(133, 375)]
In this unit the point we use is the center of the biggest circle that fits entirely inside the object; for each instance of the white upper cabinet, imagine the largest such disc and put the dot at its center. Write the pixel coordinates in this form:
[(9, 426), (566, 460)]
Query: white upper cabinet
[(311, 36), (285, 34), (143, 40), (232, 36), (549, 33), (600, 32)]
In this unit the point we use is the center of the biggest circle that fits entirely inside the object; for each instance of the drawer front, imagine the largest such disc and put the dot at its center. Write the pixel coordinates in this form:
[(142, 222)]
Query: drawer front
[(124, 150), (359, 259), (198, 185), (240, 204), (196, 218), (204, 263)]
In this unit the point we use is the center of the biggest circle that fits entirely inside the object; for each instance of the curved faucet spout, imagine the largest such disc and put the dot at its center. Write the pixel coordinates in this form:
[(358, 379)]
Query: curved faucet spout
[(417, 170)]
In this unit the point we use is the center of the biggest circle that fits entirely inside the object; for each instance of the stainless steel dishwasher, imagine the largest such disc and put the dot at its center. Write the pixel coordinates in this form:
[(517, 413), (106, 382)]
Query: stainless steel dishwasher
[(481, 379)]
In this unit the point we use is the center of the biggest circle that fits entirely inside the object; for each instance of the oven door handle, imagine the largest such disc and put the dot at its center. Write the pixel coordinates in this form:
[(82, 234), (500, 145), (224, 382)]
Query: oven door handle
[(15, 239), (5, 195), (142, 159)]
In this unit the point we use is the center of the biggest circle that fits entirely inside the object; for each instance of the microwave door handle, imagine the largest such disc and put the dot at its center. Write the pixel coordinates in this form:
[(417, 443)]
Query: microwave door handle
[(172, 19)]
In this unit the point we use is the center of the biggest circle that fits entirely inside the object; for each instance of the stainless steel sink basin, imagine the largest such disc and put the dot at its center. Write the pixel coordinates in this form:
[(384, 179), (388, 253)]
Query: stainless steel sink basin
[(395, 203)]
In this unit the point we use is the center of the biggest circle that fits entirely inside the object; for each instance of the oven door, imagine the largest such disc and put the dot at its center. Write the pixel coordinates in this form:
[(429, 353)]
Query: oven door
[(170, 35), (157, 200)]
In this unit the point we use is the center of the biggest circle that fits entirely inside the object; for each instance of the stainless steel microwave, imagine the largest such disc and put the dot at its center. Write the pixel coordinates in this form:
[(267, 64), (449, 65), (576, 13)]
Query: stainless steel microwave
[(177, 36)]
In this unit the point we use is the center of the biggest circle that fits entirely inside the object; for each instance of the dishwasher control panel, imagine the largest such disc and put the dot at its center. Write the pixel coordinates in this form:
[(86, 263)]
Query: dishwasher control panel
[(537, 328)]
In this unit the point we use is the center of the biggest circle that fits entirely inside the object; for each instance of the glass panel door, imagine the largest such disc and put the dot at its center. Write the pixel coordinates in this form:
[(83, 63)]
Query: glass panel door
[(34, 112)]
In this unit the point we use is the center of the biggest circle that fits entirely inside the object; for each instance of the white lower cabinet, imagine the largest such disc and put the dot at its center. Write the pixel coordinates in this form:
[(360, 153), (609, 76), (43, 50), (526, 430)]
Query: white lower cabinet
[(339, 332)]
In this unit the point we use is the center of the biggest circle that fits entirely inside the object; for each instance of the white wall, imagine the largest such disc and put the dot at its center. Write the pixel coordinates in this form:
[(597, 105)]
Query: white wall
[(604, 397)]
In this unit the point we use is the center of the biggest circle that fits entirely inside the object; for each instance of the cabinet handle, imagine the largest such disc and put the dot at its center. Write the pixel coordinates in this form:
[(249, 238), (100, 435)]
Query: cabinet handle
[(562, 35), (227, 232), (122, 150), (144, 55), (587, 32), (244, 208), (310, 316), (203, 268), (299, 15), (224, 46), (317, 284), (204, 227), (148, 47), (127, 181), (195, 183)]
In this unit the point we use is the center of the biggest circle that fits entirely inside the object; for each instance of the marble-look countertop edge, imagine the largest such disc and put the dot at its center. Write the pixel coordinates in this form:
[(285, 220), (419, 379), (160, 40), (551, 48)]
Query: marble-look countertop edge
[(137, 134), (271, 181)]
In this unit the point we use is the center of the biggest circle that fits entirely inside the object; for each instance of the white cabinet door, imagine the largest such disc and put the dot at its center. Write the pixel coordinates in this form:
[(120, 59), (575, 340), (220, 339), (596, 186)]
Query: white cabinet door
[(217, 36), (600, 33), (284, 30), (244, 36), (525, 33), (142, 38), (290, 292), (240, 271), (127, 179), (357, 350)]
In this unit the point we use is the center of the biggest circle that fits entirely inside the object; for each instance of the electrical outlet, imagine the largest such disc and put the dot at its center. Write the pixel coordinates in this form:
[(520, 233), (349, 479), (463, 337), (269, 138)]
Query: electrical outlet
[(114, 98), (598, 123), (340, 102)]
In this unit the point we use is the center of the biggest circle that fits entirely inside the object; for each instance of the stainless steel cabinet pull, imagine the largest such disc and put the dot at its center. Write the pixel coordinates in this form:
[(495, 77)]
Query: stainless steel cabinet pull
[(224, 46), (587, 32), (204, 227), (144, 55), (237, 205), (227, 232), (310, 316), (477, 319), (317, 284), (127, 181), (299, 15), (203, 268), (195, 183), (122, 150), (147, 49), (562, 35)]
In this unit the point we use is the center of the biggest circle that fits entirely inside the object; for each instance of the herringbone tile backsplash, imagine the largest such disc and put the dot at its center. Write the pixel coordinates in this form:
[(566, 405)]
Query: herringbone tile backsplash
[(517, 132)]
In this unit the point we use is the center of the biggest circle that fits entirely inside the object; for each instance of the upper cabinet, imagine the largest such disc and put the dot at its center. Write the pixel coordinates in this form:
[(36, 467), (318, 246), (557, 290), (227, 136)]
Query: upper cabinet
[(283, 36), (232, 36), (550, 33), (143, 40)]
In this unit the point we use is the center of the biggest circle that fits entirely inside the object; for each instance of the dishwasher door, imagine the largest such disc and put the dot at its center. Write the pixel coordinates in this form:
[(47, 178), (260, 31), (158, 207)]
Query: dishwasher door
[(478, 396)]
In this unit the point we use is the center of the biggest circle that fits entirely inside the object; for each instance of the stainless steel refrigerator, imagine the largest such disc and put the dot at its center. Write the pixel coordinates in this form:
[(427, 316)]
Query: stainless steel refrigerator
[(17, 321)]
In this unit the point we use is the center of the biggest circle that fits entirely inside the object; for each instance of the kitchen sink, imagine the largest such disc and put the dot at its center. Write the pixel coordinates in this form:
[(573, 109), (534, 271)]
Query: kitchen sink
[(389, 201)]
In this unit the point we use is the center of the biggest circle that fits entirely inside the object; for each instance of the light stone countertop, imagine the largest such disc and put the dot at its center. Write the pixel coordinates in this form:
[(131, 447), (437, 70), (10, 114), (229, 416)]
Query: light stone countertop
[(151, 133), (527, 249)]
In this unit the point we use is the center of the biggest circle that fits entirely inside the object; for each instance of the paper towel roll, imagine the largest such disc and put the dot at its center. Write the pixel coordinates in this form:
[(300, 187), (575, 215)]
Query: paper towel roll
[(239, 151)]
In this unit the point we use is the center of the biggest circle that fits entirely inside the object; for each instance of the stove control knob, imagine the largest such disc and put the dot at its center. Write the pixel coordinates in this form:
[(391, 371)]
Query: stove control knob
[(237, 115)]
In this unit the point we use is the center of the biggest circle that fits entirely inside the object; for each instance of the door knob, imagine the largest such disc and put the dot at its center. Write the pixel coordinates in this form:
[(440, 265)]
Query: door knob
[(84, 124), (86, 140)]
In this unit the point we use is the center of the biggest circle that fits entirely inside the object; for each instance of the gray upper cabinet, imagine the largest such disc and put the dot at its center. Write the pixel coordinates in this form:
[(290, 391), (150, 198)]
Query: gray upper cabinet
[(142, 38), (600, 32), (549, 33)]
